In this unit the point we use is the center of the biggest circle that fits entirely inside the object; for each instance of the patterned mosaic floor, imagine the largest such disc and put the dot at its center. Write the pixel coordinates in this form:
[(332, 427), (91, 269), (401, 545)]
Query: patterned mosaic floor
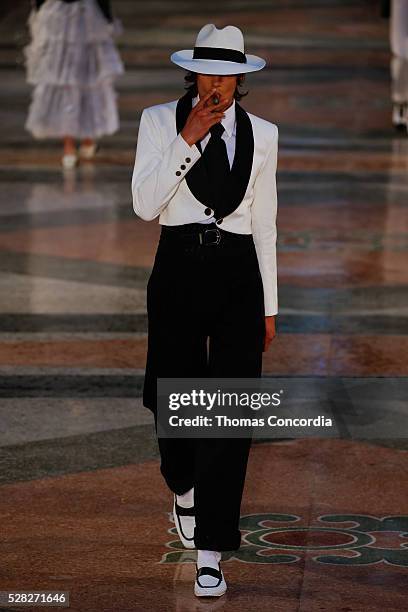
[(83, 507)]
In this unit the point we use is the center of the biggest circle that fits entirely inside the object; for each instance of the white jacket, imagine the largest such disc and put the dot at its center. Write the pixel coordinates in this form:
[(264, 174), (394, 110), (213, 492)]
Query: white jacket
[(169, 182)]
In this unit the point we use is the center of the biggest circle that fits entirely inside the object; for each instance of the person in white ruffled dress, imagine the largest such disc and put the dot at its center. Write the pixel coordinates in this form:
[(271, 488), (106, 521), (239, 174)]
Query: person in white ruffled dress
[(72, 61), (399, 63)]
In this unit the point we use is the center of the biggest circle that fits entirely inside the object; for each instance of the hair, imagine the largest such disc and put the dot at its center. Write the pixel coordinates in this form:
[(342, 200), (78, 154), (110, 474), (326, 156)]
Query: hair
[(191, 85)]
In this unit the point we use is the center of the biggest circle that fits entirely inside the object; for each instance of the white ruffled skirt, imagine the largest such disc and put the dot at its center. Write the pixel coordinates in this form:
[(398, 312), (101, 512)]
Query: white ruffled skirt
[(72, 61)]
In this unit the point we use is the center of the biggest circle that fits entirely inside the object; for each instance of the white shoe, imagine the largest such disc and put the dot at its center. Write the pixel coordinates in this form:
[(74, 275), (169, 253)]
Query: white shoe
[(400, 115), (88, 151), (69, 160), (184, 519), (217, 589)]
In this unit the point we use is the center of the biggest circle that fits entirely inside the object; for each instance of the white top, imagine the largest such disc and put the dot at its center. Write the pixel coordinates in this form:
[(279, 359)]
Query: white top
[(229, 125), (159, 189)]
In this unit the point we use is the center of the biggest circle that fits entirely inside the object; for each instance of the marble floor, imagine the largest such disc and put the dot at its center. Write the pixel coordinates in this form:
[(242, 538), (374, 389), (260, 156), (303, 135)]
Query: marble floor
[(83, 507)]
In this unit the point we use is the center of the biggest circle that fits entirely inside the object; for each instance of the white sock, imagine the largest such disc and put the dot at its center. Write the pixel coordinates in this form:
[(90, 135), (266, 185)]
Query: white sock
[(208, 558), (187, 499)]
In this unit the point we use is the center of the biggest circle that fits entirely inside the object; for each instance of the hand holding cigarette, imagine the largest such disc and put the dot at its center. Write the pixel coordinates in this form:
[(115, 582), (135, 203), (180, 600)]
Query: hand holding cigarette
[(203, 116)]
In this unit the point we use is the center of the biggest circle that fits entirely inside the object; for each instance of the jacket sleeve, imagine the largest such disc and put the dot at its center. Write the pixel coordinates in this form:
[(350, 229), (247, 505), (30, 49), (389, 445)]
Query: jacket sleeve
[(263, 219), (158, 173)]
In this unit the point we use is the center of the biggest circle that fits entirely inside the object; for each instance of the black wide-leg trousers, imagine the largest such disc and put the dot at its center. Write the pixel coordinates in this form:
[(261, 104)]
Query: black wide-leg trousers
[(199, 293)]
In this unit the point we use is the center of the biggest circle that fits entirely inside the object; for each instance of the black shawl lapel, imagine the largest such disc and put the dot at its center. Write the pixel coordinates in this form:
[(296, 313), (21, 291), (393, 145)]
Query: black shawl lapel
[(197, 178)]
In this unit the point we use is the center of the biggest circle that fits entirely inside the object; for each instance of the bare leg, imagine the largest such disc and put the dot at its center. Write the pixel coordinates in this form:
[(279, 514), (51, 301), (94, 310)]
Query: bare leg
[(87, 142), (69, 145), (69, 158)]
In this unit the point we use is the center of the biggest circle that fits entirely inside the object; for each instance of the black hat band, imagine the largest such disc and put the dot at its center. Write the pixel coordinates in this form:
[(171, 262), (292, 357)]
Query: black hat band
[(218, 53)]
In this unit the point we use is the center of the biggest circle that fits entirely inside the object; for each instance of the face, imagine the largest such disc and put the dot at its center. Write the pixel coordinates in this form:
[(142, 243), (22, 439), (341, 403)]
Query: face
[(225, 84)]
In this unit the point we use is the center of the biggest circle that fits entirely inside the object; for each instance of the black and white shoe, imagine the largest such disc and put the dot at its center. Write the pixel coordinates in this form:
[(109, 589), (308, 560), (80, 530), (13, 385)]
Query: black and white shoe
[(184, 519), (400, 115), (203, 589)]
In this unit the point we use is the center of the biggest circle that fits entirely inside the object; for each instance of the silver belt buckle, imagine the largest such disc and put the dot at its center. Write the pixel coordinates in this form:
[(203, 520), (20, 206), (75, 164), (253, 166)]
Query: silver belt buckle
[(207, 231)]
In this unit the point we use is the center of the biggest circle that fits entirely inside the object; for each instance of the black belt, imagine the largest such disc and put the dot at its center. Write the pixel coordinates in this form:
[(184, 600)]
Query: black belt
[(200, 234)]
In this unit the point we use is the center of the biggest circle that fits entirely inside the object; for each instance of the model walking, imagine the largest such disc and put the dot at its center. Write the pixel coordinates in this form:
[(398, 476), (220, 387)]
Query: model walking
[(72, 61), (208, 171)]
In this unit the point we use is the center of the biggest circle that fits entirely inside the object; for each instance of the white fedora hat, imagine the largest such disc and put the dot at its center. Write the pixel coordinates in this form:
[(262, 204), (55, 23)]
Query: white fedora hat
[(218, 51)]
